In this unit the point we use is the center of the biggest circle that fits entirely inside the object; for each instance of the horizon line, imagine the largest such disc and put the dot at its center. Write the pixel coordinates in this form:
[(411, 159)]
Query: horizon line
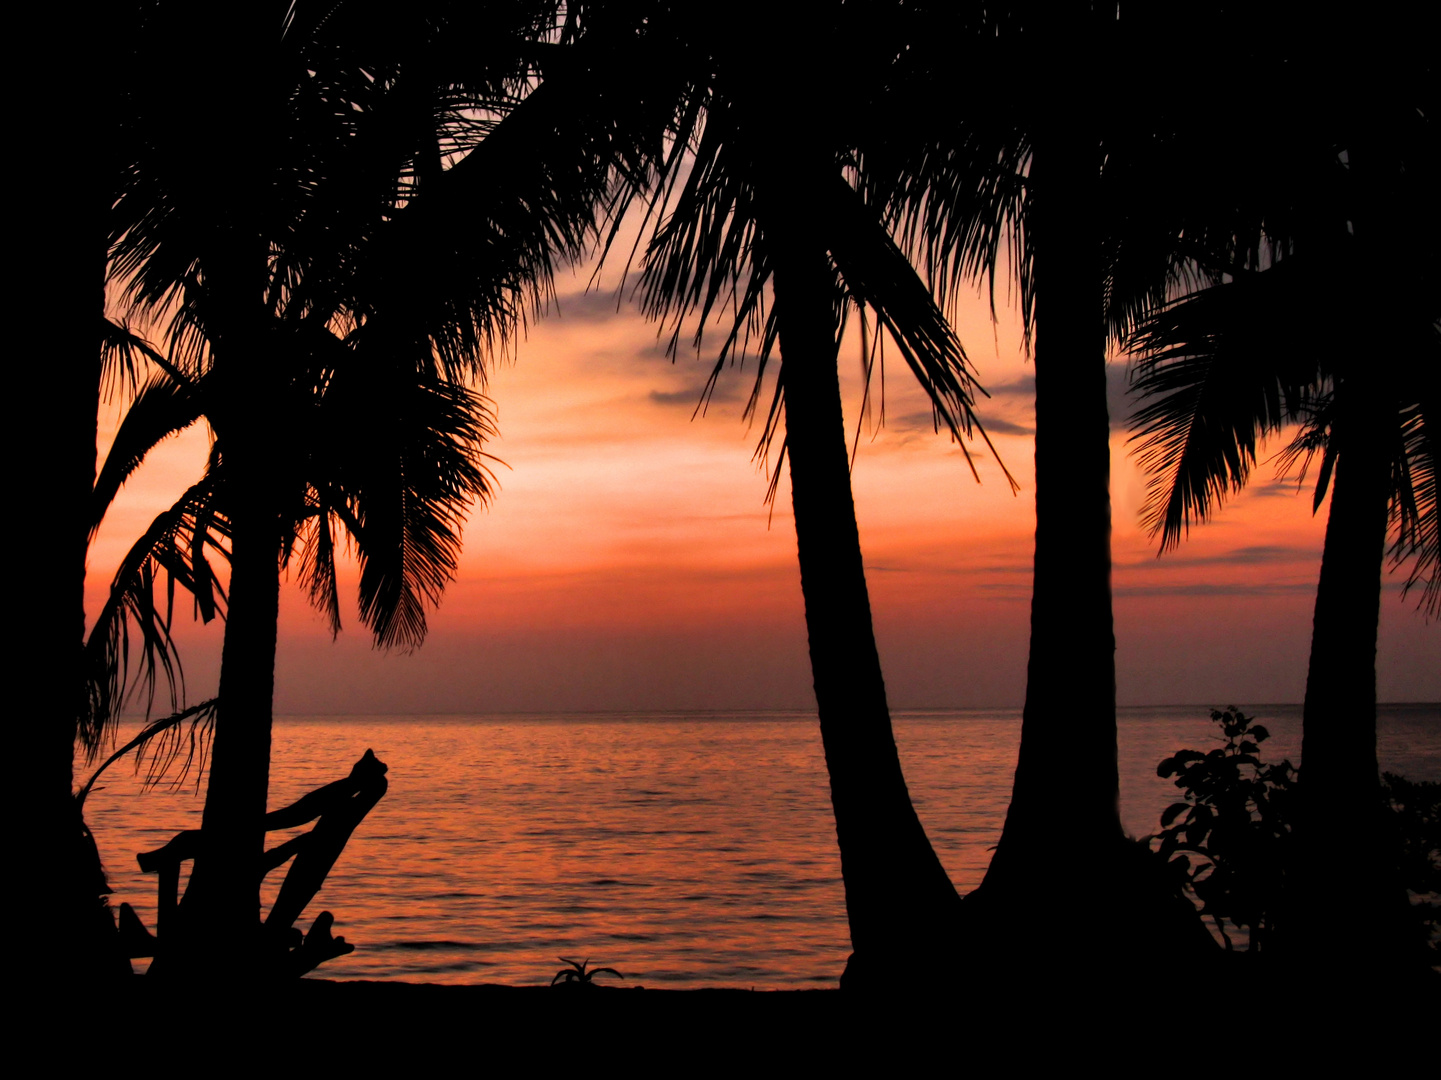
[(1200, 707)]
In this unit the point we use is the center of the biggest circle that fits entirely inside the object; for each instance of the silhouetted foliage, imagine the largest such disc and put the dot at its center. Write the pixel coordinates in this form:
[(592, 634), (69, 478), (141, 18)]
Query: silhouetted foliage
[(323, 307), (1230, 842), (159, 745), (172, 550), (1323, 311), (1416, 817), (1230, 839), (285, 950), (580, 973), (765, 226)]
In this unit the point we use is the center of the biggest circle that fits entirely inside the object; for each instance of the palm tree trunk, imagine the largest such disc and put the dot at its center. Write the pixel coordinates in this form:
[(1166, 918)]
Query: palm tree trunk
[(222, 902), (1067, 772), (899, 901), (71, 937), (1346, 874), (1064, 800), (1062, 848)]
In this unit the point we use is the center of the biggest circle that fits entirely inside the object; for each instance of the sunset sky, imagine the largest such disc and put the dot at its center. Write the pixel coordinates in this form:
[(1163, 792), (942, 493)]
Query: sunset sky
[(628, 563)]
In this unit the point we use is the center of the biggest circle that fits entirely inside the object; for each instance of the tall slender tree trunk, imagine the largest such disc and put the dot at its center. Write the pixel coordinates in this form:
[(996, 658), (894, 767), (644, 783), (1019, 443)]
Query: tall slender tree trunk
[(221, 913), (1348, 905), (66, 936), (1348, 917), (900, 903), (1067, 768), (1062, 851), (1064, 799), (74, 935)]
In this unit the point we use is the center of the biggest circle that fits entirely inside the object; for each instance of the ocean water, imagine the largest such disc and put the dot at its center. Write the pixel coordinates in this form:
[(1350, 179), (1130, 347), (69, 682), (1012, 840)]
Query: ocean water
[(684, 849)]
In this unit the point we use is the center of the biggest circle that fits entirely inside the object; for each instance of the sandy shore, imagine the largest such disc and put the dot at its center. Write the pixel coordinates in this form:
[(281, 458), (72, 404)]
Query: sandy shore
[(420, 1029)]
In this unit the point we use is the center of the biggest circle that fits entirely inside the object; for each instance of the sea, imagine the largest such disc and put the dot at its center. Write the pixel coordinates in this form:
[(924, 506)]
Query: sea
[(682, 849)]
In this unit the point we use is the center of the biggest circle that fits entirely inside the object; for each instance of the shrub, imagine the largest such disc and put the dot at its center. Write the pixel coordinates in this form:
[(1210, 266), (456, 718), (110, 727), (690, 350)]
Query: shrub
[(1416, 818), (1230, 844), (1230, 840)]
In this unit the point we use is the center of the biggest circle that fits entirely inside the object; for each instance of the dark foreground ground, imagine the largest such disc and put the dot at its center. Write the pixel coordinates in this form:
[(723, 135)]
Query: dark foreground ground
[(1053, 1025)]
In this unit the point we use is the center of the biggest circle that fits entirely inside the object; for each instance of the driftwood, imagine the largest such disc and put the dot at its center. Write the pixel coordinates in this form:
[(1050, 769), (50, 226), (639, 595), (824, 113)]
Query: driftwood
[(336, 810)]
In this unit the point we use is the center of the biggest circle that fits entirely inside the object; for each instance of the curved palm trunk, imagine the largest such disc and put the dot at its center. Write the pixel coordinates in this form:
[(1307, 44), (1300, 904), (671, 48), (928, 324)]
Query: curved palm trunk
[(1346, 876), (900, 903)]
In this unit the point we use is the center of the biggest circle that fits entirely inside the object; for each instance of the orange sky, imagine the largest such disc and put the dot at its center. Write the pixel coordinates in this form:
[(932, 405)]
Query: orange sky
[(627, 562)]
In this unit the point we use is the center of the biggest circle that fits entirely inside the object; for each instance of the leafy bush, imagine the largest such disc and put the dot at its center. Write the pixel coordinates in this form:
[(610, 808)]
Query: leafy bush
[(1416, 818), (1230, 840), (1230, 844)]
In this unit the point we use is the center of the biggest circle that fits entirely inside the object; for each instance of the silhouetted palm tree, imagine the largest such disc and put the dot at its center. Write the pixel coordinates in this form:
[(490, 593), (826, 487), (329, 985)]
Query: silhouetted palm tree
[(762, 201), (1055, 181), (402, 192), (288, 217), (70, 354), (1303, 331)]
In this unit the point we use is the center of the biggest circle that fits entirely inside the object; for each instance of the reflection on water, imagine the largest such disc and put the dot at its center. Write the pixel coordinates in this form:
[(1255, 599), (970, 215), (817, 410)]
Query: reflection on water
[(685, 849)]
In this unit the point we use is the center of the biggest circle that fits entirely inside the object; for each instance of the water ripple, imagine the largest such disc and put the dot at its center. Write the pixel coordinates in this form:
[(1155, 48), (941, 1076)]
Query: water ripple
[(683, 851)]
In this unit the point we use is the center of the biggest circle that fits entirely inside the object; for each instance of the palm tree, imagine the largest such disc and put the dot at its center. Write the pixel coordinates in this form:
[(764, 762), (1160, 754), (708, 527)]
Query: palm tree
[(328, 373), (73, 355), (1061, 185), (1228, 365), (408, 192), (766, 205)]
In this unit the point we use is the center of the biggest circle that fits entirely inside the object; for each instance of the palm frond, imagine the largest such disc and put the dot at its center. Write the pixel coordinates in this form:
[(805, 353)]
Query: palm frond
[(158, 746), (464, 264), (1219, 374), (173, 547), (710, 259), (397, 461), (878, 276), (1415, 513), (1317, 414), (122, 355), (165, 406)]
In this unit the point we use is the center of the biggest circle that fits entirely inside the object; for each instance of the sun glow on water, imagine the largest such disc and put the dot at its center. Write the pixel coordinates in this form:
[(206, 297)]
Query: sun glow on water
[(684, 849)]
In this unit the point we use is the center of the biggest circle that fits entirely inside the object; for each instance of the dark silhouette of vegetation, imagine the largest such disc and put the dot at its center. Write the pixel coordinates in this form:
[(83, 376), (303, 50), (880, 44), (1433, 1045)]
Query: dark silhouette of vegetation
[(1225, 366), (158, 746), (1230, 840), (1057, 188), (174, 259), (403, 200), (337, 809), (1415, 820), (337, 220), (74, 685), (580, 974), (332, 387), (762, 224), (1233, 847)]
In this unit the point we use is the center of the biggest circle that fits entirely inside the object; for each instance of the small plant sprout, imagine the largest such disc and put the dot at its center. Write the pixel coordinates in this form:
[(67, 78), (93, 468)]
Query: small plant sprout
[(580, 973)]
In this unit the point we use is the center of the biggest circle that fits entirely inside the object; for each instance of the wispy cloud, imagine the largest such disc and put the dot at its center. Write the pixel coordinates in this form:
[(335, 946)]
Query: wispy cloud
[(1254, 555), (1120, 403), (998, 426), (1025, 387), (591, 305), (1227, 588), (725, 390)]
